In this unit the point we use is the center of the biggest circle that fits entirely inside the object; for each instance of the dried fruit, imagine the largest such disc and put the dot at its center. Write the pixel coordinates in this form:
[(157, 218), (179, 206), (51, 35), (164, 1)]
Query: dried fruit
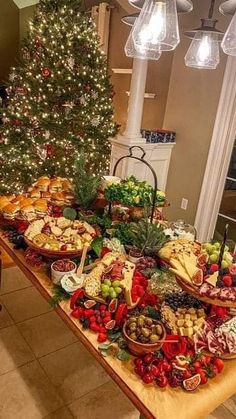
[(113, 305), (110, 325), (89, 303), (190, 384), (197, 278)]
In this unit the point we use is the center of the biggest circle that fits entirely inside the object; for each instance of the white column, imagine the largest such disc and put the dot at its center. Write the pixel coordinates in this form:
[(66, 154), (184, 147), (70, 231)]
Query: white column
[(132, 134)]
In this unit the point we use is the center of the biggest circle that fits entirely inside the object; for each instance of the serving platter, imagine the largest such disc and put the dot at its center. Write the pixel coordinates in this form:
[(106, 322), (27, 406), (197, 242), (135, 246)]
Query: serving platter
[(194, 291), (54, 254)]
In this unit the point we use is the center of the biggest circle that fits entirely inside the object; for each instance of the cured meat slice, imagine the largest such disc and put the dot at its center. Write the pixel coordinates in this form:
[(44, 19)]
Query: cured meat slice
[(205, 289)]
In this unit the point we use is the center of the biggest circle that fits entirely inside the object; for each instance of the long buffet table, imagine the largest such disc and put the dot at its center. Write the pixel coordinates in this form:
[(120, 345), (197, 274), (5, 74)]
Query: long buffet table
[(151, 401)]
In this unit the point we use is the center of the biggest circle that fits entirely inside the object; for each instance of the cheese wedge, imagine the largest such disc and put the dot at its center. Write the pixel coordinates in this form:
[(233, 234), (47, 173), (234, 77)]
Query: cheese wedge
[(191, 268), (212, 279), (126, 282), (182, 274)]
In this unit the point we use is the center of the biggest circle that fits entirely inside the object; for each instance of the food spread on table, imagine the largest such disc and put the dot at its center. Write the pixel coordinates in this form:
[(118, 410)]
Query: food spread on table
[(149, 291)]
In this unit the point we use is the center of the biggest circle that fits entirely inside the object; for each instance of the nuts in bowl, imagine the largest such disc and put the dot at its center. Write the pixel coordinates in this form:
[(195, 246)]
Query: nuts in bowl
[(143, 334)]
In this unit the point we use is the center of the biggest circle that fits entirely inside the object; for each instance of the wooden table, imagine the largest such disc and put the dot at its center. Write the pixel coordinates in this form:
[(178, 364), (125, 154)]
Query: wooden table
[(151, 401)]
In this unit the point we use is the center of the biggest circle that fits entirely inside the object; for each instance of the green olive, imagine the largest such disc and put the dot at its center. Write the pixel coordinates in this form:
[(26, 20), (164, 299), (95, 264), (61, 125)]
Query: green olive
[(132, 320), (148, 321), (154, 338), (140, 322), (145, 332), (133, 327), (133, 336), (159, 329)]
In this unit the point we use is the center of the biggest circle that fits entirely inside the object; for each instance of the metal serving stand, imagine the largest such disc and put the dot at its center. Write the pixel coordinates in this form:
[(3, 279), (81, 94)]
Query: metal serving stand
[(142, 160)]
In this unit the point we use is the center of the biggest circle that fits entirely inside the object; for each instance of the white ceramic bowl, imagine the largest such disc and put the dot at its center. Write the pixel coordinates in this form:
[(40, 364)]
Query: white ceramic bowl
[(58, 275)]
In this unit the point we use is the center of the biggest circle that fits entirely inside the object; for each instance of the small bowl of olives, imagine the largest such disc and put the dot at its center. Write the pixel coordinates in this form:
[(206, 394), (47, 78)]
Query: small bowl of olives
[(143, 334)]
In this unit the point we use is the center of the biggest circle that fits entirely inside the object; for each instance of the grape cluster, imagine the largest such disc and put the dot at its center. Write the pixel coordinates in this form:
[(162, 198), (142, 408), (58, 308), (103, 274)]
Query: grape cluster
[(175, 377), (145, 263), (17, 239), (182, 299)]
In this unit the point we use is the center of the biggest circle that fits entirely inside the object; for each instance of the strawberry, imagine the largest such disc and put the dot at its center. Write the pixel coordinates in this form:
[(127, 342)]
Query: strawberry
[(219, 364), (102, 337), (94, 327), (227, 279)]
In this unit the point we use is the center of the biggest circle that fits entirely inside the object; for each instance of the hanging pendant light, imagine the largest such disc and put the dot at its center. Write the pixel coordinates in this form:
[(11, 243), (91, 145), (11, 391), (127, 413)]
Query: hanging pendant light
[(136, 51), (204, 49), (229, 41), (156, 28)]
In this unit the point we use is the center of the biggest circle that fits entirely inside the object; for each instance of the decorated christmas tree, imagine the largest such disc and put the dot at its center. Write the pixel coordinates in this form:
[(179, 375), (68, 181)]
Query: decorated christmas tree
[(60, 99)]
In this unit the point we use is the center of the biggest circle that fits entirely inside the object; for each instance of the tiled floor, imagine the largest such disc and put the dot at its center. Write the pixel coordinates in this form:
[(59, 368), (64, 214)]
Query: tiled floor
[(46, 373)]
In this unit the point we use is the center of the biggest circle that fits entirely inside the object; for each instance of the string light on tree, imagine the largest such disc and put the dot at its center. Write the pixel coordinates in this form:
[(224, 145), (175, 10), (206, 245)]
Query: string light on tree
[(60, 99)]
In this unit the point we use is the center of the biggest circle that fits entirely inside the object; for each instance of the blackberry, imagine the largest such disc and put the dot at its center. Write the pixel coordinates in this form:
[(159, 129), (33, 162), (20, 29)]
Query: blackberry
[(225, 271), (85, 322), (220, 283), (234, 280)]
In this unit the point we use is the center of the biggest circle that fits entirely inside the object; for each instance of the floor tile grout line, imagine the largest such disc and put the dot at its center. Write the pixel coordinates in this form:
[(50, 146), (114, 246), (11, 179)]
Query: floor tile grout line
[(88, 392), (19, 289), (33, 317), (17, 368)]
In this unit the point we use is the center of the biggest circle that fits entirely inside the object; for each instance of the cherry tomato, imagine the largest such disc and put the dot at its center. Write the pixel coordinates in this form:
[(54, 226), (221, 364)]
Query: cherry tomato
[(140, 370), (219, 364), (155, 370), (148, 358), (205, 360), (138, 362), (187, 374), (148, 378), (204, 378), (197, 364), (162, 381)]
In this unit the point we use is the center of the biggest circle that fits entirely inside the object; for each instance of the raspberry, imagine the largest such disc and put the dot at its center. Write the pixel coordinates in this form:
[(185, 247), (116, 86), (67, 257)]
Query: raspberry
[(227, 279), (214, 267)]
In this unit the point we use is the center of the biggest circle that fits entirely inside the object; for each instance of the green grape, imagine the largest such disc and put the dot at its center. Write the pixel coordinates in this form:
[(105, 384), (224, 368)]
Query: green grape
[(107, 282), (112, 293), (207, 246), (116, 283), (105, 288), (118, 290), (224, 264), (217, 245), (105, 294), (213, 257)]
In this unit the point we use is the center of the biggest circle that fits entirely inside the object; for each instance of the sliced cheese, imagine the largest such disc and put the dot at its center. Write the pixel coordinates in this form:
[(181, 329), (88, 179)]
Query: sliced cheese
[(212, 279), (180, 268), (127, 281), (191, 268), (182, 274)]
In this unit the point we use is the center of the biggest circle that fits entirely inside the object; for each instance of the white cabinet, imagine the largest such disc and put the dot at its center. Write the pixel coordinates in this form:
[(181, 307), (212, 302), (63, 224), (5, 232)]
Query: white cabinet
[(157, 155)]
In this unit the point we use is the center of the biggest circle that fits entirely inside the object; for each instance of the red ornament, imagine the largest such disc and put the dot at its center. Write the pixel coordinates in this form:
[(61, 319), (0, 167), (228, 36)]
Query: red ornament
[(46, 72), (50, 150), (16, 122)]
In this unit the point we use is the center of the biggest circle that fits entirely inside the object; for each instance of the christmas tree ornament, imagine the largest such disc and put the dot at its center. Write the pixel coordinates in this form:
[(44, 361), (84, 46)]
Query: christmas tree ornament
[(71, 62), (49, 150), (46, 72), (42, 153)]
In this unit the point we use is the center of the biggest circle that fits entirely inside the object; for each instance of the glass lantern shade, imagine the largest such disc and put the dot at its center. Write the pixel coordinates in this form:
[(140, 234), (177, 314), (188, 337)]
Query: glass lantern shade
[(134, 51), (203, 51), (228, 43), (156, 28)]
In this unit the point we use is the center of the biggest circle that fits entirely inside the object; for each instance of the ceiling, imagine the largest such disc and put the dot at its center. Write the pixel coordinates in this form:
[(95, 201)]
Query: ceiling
[(25, 3)]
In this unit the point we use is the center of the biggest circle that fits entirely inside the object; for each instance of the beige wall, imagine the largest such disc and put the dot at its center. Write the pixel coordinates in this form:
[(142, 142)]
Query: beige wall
[(157, 79), (190, 111), (25, 15), (9, 37)]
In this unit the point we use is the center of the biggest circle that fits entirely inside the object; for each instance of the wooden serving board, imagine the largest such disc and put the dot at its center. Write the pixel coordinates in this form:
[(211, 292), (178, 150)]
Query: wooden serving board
[(194, 291)]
